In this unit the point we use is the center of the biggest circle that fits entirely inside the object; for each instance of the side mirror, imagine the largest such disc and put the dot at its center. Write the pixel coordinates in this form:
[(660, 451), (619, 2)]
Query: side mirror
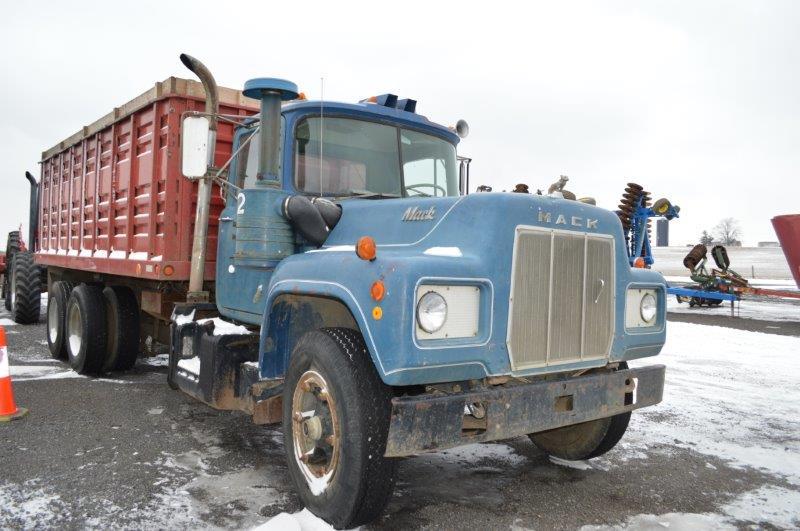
[(194, 146)]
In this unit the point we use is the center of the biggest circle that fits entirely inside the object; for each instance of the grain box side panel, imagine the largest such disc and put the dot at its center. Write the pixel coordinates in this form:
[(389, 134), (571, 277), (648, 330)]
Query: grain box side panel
[(115, 201)]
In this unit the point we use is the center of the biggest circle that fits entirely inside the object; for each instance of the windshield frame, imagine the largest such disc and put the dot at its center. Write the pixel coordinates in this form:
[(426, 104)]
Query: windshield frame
[(398, 125)]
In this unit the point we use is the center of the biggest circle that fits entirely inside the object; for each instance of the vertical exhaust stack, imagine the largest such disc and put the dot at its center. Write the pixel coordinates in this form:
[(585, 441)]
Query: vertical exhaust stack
[(33, 215), (271, 92), (199, 242)]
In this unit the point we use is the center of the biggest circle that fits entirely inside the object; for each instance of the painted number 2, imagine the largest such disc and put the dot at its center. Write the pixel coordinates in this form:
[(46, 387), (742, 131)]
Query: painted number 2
[(240, 199)]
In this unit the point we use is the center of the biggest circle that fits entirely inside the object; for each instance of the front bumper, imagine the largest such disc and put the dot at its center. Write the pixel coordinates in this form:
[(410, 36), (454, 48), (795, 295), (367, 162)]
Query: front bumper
[(434, 422)]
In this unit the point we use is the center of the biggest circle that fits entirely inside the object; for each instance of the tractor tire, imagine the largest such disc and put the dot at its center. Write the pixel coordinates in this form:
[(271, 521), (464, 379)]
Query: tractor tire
[(12, 248), (26, 289), (7, 288), (335, 453), (122, 312), (57, 299), (585, 440), (87, 329)]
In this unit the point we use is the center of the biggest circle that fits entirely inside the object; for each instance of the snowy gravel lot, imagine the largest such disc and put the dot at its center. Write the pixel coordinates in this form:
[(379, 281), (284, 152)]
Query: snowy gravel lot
[(722, 451)]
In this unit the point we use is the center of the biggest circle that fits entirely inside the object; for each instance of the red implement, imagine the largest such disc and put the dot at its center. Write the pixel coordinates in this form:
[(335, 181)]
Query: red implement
[(788, 230)]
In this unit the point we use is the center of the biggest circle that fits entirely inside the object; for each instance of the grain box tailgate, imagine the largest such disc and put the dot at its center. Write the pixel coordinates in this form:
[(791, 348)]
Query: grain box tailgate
[(112, 197)]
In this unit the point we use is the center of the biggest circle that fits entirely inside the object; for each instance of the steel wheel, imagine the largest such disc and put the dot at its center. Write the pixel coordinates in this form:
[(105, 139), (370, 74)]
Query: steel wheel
[(74, 329), (315, 429), (52, 322)]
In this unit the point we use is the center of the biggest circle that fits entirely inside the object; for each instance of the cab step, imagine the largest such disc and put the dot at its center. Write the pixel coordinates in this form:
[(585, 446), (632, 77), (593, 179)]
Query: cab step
[(216, 361)]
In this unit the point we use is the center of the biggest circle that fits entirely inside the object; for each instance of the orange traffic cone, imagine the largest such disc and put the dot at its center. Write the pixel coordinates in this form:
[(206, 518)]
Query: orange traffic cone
[(8, 409)]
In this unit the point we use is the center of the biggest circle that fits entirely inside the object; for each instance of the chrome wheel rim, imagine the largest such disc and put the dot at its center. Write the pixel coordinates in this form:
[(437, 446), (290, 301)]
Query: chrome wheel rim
[(52, 321), (74, 330), (315, 431)]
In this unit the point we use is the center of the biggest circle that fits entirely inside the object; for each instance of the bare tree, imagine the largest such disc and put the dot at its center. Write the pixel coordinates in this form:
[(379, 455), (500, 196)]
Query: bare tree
[(728, 231)]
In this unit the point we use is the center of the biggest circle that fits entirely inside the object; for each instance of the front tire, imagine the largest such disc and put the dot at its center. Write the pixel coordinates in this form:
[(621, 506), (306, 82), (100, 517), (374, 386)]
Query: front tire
[(26, 289), (336, 414), (57, 300), (87, 331)]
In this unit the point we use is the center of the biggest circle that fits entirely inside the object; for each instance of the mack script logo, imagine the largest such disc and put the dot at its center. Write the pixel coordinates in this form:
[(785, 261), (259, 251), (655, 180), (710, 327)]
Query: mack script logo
[(415, 214), (561, 219)]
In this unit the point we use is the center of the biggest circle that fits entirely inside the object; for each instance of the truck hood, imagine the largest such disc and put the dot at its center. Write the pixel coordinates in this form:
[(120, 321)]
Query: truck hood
[(468, 222)]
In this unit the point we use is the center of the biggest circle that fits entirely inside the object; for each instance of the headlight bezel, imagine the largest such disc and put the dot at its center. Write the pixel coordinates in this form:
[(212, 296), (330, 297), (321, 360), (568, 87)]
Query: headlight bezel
[(651, 309), (430, 299), (634, 320)]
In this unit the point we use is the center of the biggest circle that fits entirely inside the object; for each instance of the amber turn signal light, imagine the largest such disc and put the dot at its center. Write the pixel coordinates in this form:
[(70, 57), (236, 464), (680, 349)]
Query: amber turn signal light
[(366, 249), (639, 263), (168, 270), (377, 290)]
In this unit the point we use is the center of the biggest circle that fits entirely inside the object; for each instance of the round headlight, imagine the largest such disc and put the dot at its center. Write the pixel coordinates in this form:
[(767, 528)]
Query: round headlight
[(431, 312), (648, 307)]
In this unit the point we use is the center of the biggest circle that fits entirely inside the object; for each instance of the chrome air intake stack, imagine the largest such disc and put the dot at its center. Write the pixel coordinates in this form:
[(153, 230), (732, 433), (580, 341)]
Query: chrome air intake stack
[(263, 235), (271, 92)]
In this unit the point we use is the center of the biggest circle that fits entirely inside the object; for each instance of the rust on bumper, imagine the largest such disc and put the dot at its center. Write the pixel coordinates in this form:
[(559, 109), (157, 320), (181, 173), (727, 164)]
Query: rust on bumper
[(434, 422)]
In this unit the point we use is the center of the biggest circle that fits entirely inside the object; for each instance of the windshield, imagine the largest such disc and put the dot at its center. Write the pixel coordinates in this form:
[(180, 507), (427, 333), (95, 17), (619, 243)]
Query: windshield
[(343, 156)]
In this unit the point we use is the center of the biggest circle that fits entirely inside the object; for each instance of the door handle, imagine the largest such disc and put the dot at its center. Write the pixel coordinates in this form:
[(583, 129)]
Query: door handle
[(226, 219)]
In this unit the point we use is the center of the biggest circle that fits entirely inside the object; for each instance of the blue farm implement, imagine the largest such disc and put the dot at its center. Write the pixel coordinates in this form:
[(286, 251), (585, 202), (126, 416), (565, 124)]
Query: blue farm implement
[(634, 212), (713, 286)]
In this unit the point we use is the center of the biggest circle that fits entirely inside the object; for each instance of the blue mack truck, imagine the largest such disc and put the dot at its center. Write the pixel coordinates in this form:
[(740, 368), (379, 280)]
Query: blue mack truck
[(377, 310)]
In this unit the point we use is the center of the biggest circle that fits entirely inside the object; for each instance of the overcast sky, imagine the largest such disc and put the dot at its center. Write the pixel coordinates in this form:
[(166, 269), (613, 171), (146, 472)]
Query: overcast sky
[(697, 101)]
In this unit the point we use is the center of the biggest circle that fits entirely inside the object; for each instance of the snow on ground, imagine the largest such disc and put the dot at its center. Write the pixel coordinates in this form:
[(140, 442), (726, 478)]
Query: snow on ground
[(729, 393), (300, 521), (224, 328), (734, 395), (38, 505), (778, 507)]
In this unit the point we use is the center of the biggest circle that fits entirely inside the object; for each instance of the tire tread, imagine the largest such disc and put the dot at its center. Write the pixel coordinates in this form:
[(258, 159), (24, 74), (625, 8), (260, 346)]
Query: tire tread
[(28, 289)]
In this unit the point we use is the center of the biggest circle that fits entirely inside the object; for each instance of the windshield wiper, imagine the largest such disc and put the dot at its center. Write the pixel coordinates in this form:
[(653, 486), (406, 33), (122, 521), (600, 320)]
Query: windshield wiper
[(363, 194)]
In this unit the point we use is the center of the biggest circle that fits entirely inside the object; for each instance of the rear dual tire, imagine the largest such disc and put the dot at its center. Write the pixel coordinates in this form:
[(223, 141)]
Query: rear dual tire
[(95, 329), (122, 314), (57, 299), (86, 331)]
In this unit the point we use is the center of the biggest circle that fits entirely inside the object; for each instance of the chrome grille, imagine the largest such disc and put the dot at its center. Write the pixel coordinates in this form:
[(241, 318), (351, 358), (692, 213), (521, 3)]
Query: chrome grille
[(562, 297)]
